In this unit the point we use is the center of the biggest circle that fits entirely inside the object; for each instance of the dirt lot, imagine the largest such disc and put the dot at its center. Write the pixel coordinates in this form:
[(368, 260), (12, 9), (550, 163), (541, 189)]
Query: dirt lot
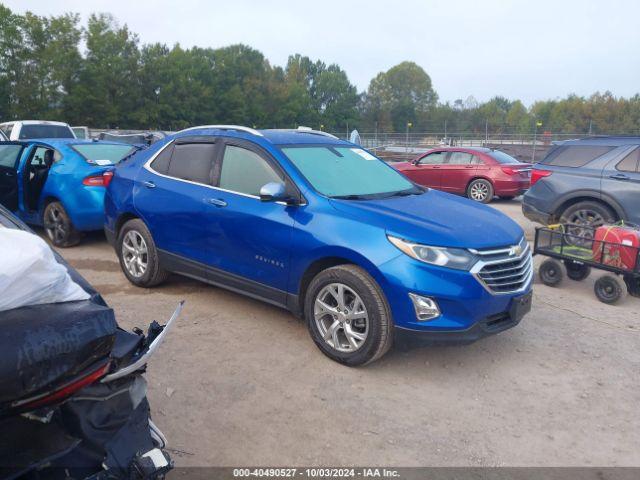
[(239, 382)]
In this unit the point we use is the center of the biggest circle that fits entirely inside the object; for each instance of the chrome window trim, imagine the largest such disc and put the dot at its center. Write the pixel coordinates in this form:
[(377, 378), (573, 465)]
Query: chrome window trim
[(147, 166)]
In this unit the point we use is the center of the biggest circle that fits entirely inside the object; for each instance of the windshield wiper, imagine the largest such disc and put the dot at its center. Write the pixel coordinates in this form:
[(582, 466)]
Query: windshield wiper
[(350, 197), (405, 193)]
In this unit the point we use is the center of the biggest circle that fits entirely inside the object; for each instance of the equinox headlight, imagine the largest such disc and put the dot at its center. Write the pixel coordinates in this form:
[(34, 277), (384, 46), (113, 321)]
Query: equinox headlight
[(457, 258)]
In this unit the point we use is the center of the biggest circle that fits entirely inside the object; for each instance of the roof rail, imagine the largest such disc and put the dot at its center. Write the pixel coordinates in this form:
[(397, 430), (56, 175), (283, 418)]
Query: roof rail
[(310, 130), (239, 128)]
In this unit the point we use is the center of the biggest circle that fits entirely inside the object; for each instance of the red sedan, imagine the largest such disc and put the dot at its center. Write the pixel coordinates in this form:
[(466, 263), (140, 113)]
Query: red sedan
[(478, 173)]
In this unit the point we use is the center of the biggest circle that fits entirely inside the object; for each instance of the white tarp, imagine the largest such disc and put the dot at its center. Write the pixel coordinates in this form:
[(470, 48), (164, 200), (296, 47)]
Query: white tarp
[(30, 274)]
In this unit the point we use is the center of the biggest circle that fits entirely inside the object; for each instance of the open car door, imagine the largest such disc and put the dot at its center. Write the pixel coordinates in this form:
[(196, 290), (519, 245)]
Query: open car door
[(10, 153)]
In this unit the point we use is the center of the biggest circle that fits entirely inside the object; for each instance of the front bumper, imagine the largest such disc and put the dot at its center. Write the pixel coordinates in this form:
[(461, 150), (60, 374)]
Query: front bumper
[(535, 215), (407, 338), (468, 309)]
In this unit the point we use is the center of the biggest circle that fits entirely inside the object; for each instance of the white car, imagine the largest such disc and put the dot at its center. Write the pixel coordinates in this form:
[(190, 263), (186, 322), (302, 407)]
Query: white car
[(28, 129)]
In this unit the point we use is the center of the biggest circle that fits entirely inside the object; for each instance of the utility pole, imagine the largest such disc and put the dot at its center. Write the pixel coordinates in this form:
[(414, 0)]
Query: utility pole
[(445, 131), (535, 140), (409, 125), (375, 145), (590, 123), (486, 131)]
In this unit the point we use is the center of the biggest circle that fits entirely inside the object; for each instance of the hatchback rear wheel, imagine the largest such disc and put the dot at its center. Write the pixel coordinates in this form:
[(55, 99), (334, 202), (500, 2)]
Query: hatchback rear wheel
[(58, 226), (347, 315), (138, 255)]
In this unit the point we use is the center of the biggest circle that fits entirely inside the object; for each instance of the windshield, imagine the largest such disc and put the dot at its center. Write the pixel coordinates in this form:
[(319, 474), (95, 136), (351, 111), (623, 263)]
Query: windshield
[(103, 154), (45, 131), (502, 157), (347, 172)]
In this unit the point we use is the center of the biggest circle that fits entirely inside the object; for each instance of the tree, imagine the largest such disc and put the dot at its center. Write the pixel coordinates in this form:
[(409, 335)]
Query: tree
[(402, 94), (108, 79)]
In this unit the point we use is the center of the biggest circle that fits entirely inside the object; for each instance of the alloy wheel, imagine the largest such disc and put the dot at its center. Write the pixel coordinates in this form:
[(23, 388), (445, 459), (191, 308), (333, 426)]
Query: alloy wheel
[(54, 225), (341, 317), (479, 191), (135, 253), (582, 223)]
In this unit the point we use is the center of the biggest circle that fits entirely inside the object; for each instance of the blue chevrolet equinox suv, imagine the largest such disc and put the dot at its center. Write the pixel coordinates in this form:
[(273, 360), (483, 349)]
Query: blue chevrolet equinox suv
[(317, 225)]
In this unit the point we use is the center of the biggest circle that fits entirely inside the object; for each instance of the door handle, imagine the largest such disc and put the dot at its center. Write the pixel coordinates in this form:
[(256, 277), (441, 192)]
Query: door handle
[(216, 202), (620, 176), (149, 184)]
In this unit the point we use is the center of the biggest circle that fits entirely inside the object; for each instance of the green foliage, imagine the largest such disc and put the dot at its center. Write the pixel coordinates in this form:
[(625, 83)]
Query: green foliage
[(119, 82)]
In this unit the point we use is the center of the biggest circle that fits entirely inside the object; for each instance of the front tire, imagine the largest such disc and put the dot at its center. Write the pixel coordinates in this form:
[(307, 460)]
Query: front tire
[(348, 316), (138, 255), (609, 289), (551, 273), (480, 190), (58, 226)]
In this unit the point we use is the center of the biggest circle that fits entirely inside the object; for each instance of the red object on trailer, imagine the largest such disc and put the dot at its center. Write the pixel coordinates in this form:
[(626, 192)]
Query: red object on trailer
[(617, 246)]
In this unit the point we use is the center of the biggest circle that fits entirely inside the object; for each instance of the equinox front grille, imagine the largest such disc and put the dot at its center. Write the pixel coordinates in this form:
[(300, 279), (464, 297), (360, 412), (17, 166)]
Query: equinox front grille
[(505, 270)]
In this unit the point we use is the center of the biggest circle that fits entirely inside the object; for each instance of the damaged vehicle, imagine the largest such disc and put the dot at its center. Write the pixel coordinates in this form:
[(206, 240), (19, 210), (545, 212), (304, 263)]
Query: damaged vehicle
[(72, 392)]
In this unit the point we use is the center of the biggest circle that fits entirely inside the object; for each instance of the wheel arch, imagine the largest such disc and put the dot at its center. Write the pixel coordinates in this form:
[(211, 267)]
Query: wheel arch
[(327, 261), (480, 177), (122, 219), (586, 196)]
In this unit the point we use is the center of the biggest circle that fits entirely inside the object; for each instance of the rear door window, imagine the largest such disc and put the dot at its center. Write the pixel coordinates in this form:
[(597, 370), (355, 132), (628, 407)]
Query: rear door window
[(630, 163), (192, 162), (460, 158), (574, 155), (436, 158), (244, 171)]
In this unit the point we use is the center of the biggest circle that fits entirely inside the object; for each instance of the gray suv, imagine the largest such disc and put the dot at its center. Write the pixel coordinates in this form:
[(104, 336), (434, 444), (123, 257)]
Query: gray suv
[(590, 181)]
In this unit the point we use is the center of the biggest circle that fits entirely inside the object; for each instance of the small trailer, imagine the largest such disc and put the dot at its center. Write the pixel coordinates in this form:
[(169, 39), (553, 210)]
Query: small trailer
[(580, 248)]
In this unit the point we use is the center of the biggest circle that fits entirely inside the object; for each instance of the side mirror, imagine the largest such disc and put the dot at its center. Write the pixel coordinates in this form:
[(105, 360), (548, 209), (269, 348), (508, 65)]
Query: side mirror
[(273, 192)]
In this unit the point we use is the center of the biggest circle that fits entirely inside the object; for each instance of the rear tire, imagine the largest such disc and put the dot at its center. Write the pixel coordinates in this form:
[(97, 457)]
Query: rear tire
[(551, 273), (577, 271), (344, 300), (633, 285), (138, 255), (480, 190), (609, 289), (58, 226), (588, 213)]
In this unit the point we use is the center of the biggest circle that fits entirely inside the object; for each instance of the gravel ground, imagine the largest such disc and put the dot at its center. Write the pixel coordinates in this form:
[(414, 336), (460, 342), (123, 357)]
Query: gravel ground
[(239, 382)]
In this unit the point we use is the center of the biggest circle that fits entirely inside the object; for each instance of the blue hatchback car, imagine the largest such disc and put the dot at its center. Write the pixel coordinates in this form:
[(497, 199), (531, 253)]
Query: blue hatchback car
[(58, 183), (319, 226)]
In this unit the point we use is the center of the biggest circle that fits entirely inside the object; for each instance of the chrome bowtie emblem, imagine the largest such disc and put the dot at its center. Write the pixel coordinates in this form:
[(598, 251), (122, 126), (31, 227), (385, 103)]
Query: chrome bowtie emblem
[(516, 250)]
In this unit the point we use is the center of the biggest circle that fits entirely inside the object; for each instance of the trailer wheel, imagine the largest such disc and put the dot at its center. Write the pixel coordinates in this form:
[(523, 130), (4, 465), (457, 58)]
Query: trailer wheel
[(551, 272), (577, 271), (633, 285), (609, 289)]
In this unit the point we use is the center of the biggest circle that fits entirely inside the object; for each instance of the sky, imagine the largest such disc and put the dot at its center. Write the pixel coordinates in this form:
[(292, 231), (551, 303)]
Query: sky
[(527, 50)]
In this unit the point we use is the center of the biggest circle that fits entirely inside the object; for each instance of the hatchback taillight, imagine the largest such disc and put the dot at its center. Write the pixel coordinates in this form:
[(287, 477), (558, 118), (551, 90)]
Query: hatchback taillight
[(101, 180), (538, 174), (107, 177)]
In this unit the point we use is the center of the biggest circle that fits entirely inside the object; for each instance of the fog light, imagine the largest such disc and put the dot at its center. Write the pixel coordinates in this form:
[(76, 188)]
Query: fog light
[(426, 308)]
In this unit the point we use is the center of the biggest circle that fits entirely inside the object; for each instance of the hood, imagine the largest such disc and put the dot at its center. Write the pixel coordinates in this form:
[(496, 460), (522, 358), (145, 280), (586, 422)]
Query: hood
[(436, 218)]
